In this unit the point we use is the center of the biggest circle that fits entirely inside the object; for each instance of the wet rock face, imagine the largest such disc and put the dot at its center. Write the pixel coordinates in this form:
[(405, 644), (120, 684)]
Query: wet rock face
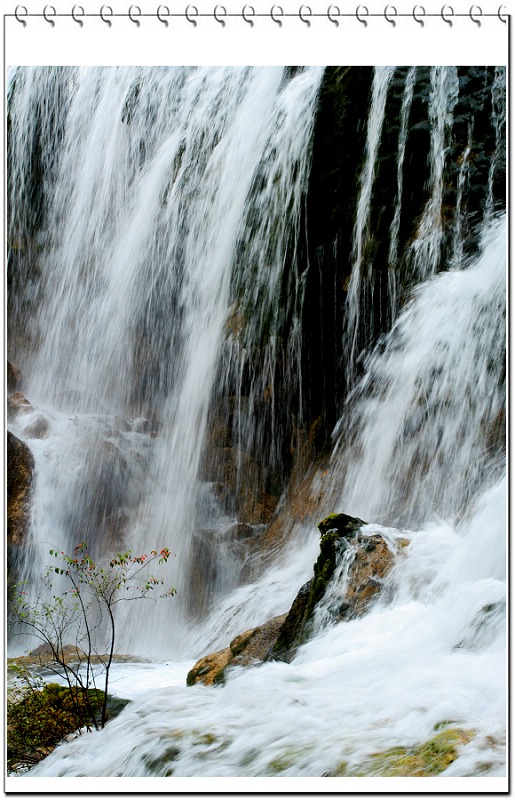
[(333, 529), (238, 481), (14, 378), (372, 561), (20, 466)]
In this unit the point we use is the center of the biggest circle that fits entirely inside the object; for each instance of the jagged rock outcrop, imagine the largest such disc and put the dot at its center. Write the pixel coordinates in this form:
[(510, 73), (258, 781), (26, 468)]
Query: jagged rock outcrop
[(371, 558), (337, 531)]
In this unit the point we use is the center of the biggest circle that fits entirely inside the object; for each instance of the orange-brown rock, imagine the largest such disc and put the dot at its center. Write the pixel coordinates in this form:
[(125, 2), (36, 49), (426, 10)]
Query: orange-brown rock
[(209, 669), (250, 647)]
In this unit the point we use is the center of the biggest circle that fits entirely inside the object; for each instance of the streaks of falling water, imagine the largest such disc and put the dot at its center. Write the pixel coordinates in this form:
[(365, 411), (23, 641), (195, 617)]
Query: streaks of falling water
[(499, 122), (381, 82), (393, 253), (401, 150), (426, 249), (459, 214)]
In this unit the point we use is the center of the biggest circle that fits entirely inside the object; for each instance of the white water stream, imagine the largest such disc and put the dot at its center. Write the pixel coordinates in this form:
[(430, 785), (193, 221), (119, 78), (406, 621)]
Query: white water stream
[(418, 442)]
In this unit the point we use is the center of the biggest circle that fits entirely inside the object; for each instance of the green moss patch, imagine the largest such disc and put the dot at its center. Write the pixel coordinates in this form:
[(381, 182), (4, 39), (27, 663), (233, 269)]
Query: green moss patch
[(424, 760)]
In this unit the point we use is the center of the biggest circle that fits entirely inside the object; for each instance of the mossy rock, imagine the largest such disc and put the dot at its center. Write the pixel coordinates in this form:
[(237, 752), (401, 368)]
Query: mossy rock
[(343, 524), (290, 633), (336, 530), (423, 760)]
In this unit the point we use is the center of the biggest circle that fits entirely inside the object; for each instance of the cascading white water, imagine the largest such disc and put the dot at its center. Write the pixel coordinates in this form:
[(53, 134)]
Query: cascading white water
[(459, 214), (499, 123), (430, 654), (427, 412)]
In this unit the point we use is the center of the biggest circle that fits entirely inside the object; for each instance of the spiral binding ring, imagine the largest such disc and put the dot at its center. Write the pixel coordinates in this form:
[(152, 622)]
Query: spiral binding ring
[(194, 11), (450, 11), (46, 11), (276, 14), (16, 13), (337, 13), (253, 14), (423, 14), (390, 15), (473, 10), (158, 14), (307, 11), (219, 13), (280, 13), (103, 18), (75, 9), (134, 13), (363, 20)]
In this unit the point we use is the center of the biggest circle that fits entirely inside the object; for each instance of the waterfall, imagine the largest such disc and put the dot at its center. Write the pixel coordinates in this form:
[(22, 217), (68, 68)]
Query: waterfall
[(169, 309), (431, 651), (457, 253), (498, 92), (167, 181)]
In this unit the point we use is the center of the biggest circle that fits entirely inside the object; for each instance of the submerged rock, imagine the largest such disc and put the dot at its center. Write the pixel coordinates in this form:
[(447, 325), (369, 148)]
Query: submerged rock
[(423, 760), (35, 425), (17, 403)]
